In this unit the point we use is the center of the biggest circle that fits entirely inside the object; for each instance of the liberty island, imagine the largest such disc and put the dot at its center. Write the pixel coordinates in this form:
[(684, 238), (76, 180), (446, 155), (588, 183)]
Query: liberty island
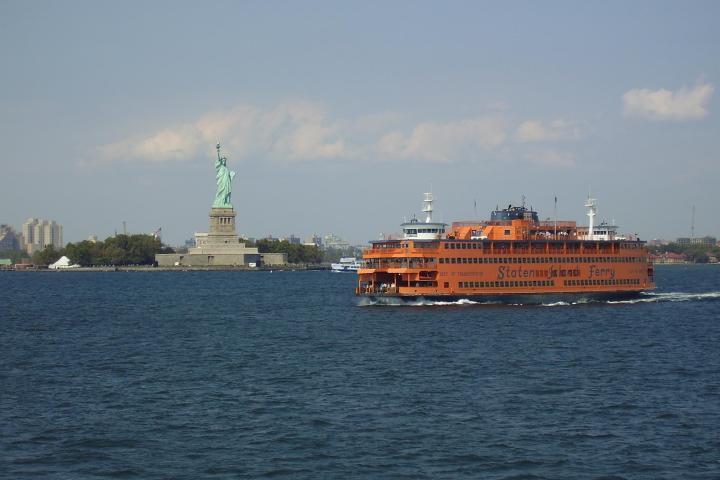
[(221, 246)]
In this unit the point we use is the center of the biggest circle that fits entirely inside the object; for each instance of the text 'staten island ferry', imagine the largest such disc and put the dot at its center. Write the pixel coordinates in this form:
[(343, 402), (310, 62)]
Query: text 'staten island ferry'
[(513, 257)]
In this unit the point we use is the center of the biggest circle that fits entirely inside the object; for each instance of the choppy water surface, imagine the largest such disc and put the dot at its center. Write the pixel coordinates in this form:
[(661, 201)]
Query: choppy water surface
[(258, 374)]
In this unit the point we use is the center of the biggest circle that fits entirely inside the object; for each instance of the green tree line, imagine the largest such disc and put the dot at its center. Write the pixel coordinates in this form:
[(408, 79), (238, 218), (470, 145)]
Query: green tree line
[(296, 253), (118, 250), (14, 255), (694, 253)]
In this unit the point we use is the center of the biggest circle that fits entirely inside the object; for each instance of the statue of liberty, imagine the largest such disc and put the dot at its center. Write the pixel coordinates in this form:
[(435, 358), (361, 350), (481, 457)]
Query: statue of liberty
[(224, 182)]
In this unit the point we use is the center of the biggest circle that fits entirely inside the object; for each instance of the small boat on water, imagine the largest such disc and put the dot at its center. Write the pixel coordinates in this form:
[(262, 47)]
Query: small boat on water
[(347, 264)]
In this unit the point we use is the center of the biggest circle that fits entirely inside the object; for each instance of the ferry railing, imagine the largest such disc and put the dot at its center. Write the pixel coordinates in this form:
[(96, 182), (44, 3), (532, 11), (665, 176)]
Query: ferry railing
[(381, 289), (409, 265)]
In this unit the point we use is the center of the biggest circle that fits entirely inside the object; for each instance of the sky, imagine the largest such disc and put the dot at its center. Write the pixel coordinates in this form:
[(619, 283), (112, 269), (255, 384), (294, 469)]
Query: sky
[(338, 116)]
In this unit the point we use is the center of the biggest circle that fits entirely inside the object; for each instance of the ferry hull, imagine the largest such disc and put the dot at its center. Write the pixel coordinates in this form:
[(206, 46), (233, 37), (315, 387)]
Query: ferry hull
[(508, 298)]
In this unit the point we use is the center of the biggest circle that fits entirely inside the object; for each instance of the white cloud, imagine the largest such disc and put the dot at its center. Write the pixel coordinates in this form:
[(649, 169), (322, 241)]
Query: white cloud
[(292, 131), (166, 145), (683, 104), (551, 158), (444, 142), (303, 131), (537, 131)]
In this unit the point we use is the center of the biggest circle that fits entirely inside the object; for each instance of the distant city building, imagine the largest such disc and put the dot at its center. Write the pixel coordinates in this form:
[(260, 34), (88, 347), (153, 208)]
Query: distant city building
[(294, 240), (706, 241), (669, 257), (39, 233), (313, 240), (92, 239), (9, 238), (333, 241)]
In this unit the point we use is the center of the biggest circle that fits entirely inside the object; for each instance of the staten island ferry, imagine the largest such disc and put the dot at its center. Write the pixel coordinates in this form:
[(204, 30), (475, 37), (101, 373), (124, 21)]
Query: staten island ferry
[(513, 257)]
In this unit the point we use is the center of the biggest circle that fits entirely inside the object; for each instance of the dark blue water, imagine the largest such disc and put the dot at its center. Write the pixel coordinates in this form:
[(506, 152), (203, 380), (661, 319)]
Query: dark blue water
[(256, 374)]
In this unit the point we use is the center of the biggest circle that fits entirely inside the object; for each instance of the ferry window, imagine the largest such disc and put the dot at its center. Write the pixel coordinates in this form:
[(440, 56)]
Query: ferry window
[(442, 260), (446, 285), (524, 260), (507, 232)]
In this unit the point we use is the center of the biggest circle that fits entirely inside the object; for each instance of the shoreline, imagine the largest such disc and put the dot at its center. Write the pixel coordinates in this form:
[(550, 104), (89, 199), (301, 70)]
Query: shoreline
[(148, 268)]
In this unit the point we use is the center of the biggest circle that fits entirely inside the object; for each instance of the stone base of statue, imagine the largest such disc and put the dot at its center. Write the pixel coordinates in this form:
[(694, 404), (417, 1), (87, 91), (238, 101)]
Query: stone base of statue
[(220, 247)]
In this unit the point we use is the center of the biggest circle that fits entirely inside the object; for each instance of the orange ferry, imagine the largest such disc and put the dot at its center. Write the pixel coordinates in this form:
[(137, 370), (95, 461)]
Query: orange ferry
[(513, 257)]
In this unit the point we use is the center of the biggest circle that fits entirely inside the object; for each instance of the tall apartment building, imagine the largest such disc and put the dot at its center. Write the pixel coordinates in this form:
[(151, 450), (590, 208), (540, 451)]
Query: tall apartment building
[(39, 233), (9, 239)]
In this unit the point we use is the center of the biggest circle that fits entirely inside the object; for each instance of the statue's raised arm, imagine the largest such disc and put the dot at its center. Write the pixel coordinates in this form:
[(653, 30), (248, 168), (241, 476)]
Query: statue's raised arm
[(224, 179)]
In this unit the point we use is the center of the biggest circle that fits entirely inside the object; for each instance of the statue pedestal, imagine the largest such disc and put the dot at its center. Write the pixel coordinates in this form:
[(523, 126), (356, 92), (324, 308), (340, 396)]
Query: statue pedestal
[(222, 221), (220, 247), (222, 237)]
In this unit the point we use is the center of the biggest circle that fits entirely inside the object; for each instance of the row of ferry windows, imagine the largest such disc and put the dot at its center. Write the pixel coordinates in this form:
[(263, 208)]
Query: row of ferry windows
[(610, 281), (524, 283), (415, 231), (542, 260), (485, 246)]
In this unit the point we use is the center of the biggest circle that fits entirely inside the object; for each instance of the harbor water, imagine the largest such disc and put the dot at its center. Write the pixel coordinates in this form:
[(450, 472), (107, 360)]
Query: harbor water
[(224, 375)]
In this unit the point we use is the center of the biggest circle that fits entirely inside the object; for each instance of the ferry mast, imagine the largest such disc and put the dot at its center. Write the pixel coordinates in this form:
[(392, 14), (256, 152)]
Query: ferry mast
[(591, 205), (428, 207)]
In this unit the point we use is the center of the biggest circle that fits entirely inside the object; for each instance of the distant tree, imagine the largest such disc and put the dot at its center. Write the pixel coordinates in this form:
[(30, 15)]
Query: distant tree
[(332, 255), (47, 256), (118, 250), (14, 255), (296, 253), (697, 256), (83, 253)]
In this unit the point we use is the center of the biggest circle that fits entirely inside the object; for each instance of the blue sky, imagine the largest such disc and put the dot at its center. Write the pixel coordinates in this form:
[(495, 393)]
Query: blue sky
[(337, 116)]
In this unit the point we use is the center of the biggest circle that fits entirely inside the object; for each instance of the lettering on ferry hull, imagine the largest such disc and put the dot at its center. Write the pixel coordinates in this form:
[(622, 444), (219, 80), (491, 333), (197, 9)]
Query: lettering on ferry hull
[(596, 272), (553, 272), (520, 272)]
